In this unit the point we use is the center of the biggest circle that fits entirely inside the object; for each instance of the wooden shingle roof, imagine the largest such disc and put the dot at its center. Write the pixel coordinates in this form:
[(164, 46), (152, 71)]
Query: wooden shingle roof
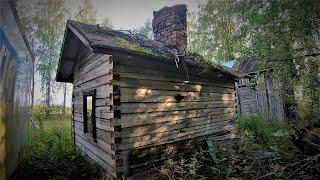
[(97, 39)]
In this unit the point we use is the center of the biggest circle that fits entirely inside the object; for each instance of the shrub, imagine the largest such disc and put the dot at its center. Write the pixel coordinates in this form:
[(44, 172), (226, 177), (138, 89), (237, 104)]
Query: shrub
[(260, 127), (55, 112)]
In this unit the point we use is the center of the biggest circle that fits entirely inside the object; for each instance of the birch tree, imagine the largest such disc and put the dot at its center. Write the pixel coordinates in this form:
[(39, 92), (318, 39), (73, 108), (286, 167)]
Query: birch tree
[(87, 13), (49, 22)]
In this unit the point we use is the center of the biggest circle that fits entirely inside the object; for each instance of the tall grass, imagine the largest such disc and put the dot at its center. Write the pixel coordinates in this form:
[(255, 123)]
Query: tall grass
[(262, 127), (51, 155)]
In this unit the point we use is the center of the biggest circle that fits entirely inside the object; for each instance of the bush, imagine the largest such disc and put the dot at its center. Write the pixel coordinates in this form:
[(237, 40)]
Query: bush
[(261, 127), (55, 112)]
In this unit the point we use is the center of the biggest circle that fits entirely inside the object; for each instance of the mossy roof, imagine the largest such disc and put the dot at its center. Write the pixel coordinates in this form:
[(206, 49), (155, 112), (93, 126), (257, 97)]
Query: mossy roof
[(127, 41)]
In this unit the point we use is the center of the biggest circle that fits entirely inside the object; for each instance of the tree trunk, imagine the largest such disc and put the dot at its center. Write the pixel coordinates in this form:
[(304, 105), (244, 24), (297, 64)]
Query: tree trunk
[(290, 105), (314, 89), (32, 88), (64, 98), (48, 96), (33, 75)]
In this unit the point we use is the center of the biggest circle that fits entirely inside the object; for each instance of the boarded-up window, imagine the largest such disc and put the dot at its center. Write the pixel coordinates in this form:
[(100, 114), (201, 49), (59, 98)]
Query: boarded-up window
[(89, 113)]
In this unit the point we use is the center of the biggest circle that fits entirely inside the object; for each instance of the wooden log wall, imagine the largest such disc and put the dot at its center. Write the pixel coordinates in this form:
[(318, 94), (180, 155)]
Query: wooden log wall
[(158, 106), (94, 72)]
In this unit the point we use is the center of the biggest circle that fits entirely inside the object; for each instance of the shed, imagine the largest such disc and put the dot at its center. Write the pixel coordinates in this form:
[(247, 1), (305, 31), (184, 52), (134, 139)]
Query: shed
[(138, 101), (258, 92)]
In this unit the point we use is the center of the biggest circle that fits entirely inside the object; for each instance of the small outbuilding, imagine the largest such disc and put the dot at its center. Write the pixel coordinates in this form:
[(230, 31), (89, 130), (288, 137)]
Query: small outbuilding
[(259, 93), (138, 101)]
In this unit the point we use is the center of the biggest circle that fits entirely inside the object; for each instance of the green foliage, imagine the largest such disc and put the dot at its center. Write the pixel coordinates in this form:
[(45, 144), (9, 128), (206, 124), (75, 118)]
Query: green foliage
[(145, 29), (264, 149), (44, 26), (282, 32), (87, 13), (261, 127), (215, 33), (107, 23), (39, 112), (51, 155)]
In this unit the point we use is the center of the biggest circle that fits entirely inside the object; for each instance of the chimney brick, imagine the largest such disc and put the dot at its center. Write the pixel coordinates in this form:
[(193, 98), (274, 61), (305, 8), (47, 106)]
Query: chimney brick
[(170, 26)]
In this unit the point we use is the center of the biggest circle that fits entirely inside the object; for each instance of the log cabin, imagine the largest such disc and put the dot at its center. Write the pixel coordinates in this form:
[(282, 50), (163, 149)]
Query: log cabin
[(138, 101)]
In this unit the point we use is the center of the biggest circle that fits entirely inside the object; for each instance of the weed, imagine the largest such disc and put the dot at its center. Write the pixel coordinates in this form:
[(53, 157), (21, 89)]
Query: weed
[(51, 155), (264, 150)]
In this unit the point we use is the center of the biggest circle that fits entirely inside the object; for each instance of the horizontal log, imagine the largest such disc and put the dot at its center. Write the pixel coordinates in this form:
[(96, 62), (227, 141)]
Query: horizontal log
[(102, 135), (157, 64), (174, 79), (150, 95), (129, 120), (150, 155), (94, 83), (103, 91), (101, 107), (160, 85), (164, 140), (173, 75), (173, 106), (91, 63), (94, 154), (101, 70), (99, 148), (174, 133), (170, 126), (99, 115), (99, 143), (103, 124)]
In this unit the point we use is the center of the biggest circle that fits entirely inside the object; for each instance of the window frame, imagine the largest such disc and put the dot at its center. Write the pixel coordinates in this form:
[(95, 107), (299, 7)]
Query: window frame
[(93, 113)]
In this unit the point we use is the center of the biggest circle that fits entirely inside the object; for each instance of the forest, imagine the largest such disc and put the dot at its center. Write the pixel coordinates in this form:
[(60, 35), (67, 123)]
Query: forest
[(281, 35)]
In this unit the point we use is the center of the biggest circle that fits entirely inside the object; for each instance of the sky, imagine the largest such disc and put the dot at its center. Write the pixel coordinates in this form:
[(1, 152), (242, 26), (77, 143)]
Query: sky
[(128, 14), (123, 14)]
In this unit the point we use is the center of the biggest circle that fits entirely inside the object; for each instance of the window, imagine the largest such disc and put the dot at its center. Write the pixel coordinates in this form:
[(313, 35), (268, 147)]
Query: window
[(89, 113)]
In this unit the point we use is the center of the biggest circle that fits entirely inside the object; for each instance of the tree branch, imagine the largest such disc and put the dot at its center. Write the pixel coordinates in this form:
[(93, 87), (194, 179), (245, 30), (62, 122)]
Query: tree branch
[(306, 55)]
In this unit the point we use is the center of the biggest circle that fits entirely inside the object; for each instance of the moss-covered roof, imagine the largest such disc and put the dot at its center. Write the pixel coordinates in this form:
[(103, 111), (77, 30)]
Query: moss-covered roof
[(126, 41)]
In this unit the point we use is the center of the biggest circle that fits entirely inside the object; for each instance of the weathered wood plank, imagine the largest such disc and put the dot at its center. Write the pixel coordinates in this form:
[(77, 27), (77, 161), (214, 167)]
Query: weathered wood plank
[(128, 120), (173, 106), (150, 95), (172, 78), (103, 69), (103, 91), (156, 64), (99, 115), (101, 107), (170, 125), (93, 83), (161, 85), (102, 135), (154, 141), (97, 158), (92, 63), (104, 146)]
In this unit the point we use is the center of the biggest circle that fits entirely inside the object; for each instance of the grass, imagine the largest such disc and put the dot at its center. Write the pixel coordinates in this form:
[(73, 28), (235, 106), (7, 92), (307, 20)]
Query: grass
[(264, 148), (51, 154)]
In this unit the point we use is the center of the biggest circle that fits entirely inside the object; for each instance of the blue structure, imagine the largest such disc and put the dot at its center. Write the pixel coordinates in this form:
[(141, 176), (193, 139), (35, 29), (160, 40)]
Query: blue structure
[(16, 65)]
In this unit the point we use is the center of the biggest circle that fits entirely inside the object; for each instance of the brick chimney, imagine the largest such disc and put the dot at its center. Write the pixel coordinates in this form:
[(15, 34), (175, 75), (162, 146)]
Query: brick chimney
[(170, 26)]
